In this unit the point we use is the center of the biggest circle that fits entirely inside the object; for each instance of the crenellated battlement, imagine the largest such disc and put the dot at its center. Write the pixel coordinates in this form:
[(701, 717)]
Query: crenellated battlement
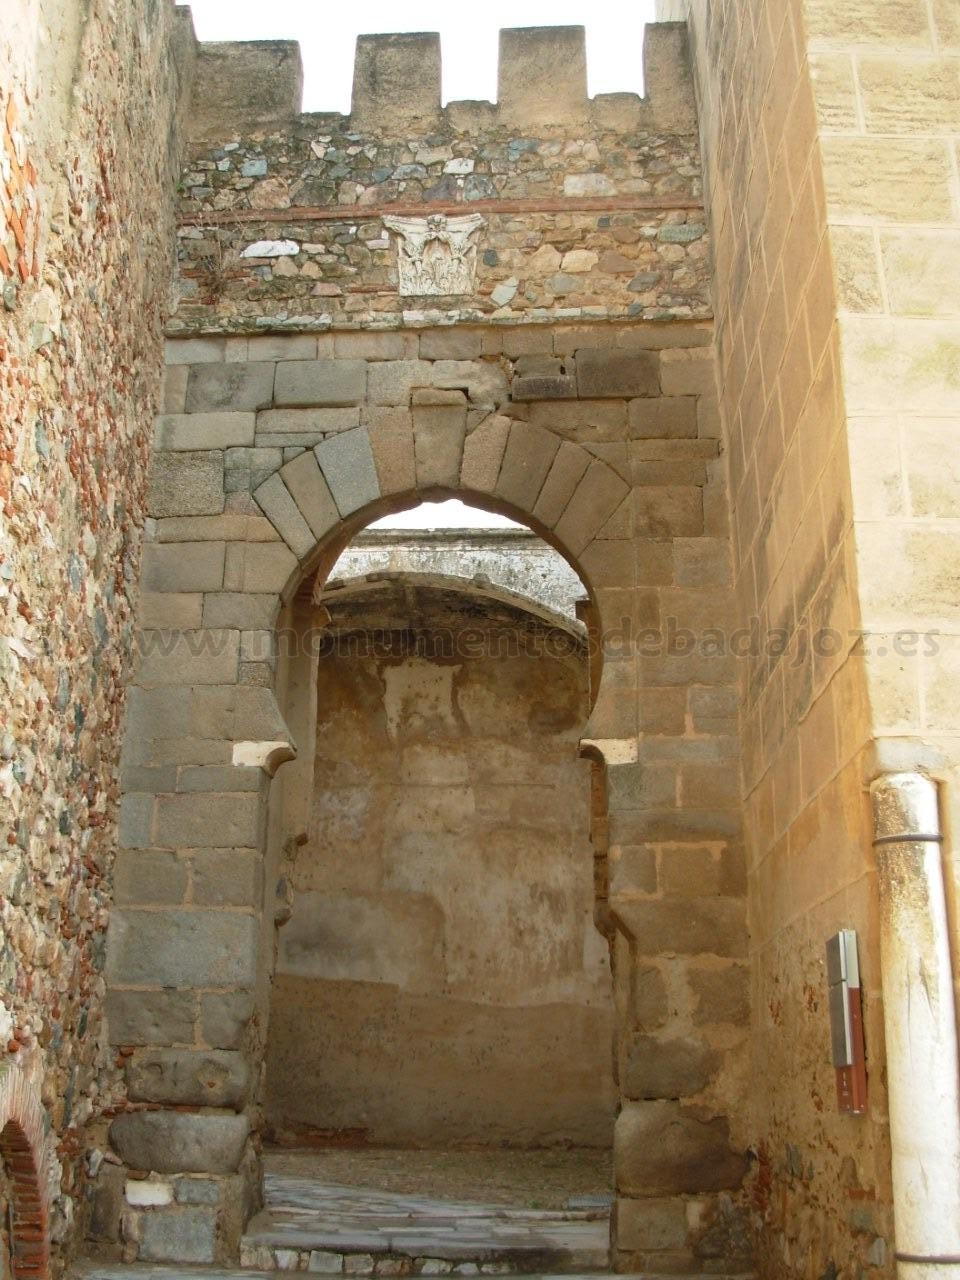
[(546, 205), (541, 85)]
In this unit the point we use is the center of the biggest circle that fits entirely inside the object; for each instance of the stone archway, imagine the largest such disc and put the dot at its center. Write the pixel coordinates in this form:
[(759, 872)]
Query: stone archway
[(262, 473), (24, 1190)]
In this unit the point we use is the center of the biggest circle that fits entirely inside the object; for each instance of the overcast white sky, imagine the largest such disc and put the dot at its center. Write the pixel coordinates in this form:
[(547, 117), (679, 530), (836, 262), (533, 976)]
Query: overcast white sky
[(327, 32)]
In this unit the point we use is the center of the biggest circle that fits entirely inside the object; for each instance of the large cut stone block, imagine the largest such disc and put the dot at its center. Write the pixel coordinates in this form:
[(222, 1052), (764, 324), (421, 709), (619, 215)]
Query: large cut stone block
[(321, 382), (596, 498), (209, 820), (187, 1077), (651, 1225), (438, 432), (277, 504), (182, 948), (542, 77), (184, 432), (188, 658), (565, 474), (347, 463), (604, 372), (234, 387), (224, 1016), (526, 463), (309, 491), (151, 1017), (178, 1235), (686, 926), (659, 1149), (183, 566), (483, 452), (674, 1068), (186, 484), (178, 1142)]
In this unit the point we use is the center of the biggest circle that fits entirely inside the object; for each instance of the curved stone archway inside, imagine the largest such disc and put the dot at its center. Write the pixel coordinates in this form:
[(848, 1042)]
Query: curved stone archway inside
[(263, 471)]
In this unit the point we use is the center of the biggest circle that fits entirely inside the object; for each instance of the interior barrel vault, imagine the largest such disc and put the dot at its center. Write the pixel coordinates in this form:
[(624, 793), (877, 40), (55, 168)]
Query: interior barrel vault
[(468, 913)]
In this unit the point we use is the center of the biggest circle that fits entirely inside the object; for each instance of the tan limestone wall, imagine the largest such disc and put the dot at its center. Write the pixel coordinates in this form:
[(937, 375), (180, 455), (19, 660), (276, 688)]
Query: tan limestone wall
[(887, 84), (822, 1195), (441, 960), (88, 152)]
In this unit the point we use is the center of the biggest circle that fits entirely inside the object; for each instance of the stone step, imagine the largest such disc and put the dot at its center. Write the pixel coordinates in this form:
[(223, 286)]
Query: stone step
[(309, 1225)]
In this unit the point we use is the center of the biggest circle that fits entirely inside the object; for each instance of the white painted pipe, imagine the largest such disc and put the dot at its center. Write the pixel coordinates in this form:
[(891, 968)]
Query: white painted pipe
[(921, 1028)]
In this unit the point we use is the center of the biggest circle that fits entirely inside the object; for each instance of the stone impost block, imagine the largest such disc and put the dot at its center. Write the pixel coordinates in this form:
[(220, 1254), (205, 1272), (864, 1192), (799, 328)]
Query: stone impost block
[(321, 382), (183, 566), (594, 501), (347, 463), (185, 1077), (151, 1017), (542, 77), (180, 1142), (604, 372), (483, 452), (182, 949), (527, 461), (391, 439), (674, 1068), (276, 502), (661, 1150), (309, 490), (438, 433), (396, 82), (566, 472), (187, 658), (185, 484), (181, 1235)]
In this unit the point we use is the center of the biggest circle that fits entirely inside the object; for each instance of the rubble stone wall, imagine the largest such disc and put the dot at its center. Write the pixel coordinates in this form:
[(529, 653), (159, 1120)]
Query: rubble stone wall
[(88, 163)]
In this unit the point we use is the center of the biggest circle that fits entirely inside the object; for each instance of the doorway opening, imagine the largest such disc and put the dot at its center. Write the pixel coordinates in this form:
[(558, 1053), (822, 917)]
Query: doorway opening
[(441, 1016)]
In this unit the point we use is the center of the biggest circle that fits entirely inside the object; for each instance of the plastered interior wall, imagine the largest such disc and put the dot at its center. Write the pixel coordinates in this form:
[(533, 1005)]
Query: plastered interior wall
[(441, 959), (88, 159)]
